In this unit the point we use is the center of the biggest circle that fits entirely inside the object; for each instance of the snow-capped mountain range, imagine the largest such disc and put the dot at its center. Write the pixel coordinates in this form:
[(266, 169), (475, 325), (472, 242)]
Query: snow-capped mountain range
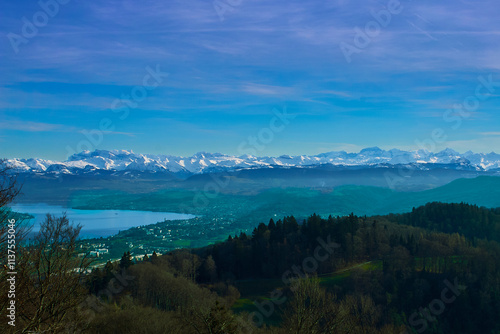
[(121, 160)]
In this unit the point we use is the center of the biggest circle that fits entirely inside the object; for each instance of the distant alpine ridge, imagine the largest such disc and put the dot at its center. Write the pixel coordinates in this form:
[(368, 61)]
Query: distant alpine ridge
[(202, 162)]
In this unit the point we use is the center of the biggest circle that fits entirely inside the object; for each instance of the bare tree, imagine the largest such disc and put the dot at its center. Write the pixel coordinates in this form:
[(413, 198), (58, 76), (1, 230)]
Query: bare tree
[(50, 277), (311, 310), (9, 189)]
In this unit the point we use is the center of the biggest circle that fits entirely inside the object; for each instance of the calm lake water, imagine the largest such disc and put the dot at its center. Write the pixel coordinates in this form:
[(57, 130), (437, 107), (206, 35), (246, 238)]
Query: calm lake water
[(97, 223)]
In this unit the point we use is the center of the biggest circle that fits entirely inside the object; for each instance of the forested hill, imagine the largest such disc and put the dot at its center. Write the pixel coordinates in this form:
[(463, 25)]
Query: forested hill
[(468, 220), (347, 274), (277, 245)]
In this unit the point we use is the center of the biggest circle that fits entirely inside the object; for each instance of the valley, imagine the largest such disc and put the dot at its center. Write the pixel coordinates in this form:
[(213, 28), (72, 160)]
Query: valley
[(232, 213)]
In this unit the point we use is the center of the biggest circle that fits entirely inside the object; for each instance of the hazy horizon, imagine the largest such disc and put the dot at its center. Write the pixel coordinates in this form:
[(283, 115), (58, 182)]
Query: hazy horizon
[(257, 156)]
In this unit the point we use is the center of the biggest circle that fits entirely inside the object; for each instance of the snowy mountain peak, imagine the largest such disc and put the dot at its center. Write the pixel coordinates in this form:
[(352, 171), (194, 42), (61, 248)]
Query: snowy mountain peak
[(448, 152), (201, 162), (371, 150)]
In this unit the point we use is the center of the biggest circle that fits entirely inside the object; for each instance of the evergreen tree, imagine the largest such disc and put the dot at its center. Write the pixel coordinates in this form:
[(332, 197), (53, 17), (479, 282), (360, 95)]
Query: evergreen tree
[(126, 260)]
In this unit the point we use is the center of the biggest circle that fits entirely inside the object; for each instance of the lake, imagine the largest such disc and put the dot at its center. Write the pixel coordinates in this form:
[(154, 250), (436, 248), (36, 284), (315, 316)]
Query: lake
[(97, 223)]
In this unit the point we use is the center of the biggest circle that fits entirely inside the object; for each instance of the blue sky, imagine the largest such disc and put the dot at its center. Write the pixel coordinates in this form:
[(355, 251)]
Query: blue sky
[(228, 74)]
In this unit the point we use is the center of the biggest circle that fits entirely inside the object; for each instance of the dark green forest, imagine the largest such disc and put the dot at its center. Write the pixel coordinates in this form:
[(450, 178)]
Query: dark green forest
[(433, 270)]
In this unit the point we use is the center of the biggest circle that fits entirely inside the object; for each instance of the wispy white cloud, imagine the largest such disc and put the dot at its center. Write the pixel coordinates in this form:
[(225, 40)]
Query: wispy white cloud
[(128, 134), (490, 133), (258, 89), (337, 93), (30, 126)]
